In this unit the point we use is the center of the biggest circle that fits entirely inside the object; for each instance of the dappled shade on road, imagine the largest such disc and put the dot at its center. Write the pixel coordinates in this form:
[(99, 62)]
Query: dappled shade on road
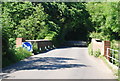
[(42, 63), (60, 63)]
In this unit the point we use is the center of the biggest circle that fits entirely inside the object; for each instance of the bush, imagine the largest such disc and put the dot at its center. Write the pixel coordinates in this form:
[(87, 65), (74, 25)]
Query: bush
[(50, 35), (94, 53), (114, 45), (6, 62), (35, 48), (90, 51), (8, 58), (99, 36), (97, 53), (14, 55), (22, 53)]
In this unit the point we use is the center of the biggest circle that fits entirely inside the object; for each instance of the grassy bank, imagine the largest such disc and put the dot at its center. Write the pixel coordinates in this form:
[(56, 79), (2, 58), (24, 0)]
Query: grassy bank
[(15, 55)]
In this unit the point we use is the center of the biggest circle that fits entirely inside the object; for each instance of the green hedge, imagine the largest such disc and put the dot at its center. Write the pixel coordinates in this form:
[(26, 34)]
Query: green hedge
[(22, 53), (14, 56)]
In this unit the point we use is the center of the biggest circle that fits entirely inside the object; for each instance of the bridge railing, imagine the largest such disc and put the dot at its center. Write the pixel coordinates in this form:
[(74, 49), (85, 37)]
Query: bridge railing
[(113, 56), (41, 44)]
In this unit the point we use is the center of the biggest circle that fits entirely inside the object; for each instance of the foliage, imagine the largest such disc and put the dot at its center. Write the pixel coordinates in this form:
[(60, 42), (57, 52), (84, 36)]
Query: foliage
[(94, 53), (104, 16), (50, 35), (35, 22), (97, 53), (22, 53), (14, 56), (114, 45), (90, 51), (57, 22), (98, 35), (71, 18), (32, 20), (8, 58), (35, 47)]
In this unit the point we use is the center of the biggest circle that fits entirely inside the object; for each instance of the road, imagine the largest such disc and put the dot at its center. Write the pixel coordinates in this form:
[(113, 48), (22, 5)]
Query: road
[(60, 63)]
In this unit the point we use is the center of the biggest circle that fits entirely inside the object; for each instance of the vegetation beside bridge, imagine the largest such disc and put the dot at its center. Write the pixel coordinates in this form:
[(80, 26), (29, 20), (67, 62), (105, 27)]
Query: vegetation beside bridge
[(57, 22)]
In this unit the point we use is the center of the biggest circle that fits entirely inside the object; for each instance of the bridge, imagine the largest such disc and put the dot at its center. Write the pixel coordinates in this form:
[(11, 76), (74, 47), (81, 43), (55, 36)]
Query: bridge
[(60, 63)]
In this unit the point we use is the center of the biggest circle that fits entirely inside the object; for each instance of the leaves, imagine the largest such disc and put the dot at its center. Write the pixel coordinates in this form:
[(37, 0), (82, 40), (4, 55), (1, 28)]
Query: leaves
[(105, 18), (58, 21)]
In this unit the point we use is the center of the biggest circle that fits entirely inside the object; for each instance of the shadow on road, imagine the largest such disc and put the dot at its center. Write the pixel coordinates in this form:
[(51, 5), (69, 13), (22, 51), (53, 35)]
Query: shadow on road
[(42, 63)]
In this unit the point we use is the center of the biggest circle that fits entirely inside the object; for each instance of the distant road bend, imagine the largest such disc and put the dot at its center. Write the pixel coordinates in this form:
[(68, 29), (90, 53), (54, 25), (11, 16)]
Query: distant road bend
[(60, 63)]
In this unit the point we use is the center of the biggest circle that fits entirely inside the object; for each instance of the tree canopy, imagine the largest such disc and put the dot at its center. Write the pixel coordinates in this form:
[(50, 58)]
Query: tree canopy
[(104, 16), (59, 21)]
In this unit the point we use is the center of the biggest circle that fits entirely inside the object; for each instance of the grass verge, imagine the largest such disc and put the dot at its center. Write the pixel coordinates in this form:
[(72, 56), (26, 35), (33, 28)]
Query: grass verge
[(111, 66)]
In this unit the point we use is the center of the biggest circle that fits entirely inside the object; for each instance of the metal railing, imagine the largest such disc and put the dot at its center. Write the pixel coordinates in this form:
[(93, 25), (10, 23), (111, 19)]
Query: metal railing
[(112, 55)]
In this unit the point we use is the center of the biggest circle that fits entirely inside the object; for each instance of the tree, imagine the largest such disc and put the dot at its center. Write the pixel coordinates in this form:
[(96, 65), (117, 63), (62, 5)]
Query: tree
[(104, 16)]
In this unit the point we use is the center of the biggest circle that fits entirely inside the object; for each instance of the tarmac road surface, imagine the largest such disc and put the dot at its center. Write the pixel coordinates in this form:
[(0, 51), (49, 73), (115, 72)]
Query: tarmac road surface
[(60, 63)]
